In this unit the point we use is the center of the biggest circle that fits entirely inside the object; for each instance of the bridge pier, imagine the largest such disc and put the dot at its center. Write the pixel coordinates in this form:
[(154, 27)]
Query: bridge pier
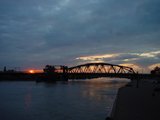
[(137, 85)]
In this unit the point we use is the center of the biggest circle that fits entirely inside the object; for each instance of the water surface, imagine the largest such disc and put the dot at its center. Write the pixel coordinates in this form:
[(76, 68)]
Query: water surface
[(72, 100)]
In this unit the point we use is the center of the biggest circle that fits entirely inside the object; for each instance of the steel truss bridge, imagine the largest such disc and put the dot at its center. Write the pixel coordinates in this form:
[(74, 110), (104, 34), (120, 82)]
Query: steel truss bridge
[(94, 70), (91, 70), (101, 68)]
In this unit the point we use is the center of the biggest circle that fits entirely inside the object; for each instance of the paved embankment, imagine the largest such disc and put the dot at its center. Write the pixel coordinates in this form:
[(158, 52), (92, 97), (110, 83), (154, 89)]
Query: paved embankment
[(142, 103)]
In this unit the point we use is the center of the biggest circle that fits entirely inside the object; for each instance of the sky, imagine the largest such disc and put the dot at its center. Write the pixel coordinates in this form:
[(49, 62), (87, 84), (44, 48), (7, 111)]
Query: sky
[(34, 33)]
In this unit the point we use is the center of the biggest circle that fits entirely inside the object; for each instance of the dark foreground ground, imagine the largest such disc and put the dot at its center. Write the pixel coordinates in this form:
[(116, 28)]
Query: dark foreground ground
[(142, 103)]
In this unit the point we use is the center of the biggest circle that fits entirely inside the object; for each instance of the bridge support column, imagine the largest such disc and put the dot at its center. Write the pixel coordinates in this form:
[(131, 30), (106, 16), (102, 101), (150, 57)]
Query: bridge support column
[(65, 73), (137, 84)]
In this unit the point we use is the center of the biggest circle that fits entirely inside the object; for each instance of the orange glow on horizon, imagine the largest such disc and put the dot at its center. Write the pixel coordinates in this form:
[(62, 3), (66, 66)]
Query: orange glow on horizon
[(31, 71), (151, 67), (136, 67)]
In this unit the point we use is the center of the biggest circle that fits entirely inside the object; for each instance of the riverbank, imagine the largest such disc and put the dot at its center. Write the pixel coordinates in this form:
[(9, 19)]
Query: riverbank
[(18, 76), (142, 103), (38, 77)]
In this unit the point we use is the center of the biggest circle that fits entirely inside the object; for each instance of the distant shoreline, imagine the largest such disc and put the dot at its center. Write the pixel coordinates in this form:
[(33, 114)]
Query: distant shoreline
[(19, 76), (23, 76)]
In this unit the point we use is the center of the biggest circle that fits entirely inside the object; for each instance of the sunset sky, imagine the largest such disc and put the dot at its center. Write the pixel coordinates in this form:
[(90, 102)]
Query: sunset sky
[(34, 33)]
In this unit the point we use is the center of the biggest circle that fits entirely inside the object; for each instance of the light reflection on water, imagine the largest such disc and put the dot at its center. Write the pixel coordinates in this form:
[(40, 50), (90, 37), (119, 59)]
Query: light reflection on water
[(72, 100)]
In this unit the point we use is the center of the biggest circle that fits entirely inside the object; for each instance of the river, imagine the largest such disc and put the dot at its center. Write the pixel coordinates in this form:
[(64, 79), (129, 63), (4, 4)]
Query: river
[(72, 100)]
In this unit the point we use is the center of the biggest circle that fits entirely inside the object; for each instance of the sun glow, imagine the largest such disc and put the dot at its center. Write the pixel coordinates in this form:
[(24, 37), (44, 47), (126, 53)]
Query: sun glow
[(151, 67), (136, 67), (31, 71)]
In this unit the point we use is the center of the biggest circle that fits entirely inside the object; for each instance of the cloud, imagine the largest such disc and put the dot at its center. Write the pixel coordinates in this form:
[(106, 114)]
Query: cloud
[(136, 67), (58, 31), (150, 54), (151, 67), (122, 56), (97, 57), (136, 60)]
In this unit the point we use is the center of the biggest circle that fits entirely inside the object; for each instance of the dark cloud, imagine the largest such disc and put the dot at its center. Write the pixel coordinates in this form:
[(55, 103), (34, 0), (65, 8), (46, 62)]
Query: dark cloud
[(58, 31)]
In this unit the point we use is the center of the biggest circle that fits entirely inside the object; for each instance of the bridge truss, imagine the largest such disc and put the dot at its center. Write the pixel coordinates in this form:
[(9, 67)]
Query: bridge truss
[(101, 68)]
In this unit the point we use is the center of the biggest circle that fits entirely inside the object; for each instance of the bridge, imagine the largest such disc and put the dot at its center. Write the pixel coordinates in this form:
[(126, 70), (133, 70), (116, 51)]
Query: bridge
[(90, 70), (101, 68), (95, 70)]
